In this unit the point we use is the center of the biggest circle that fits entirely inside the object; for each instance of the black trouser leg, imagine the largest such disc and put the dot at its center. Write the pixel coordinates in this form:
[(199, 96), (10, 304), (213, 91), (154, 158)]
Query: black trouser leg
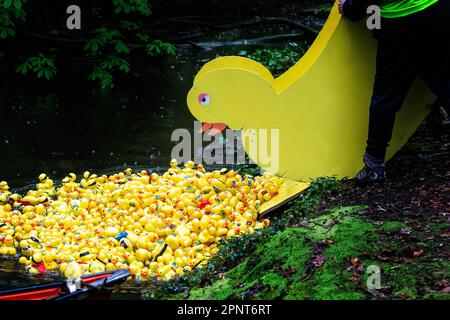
[(435, 71), (434, 51), (395, 74)]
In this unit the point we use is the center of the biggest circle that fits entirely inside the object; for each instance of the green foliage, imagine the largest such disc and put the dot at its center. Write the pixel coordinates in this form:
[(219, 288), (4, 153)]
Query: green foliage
[(248, 169), (277, 60), (112, 42), (157, 47), (128, 25), (102, 73), (10, 10), (114, 62), (109, 49), (103, 37), (319, 8), (13, 4), (41, 65), (104, 78), (132, 6), (6, 26)]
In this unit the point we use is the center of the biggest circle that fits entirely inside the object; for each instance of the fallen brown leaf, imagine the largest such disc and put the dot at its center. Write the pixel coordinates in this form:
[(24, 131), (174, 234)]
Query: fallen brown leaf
[(288, 272), (319, 261), (442, 283), (356, 262), (417, 253)]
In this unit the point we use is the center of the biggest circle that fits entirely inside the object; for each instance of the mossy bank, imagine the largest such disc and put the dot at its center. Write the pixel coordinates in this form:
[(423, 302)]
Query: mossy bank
[(331, 254)]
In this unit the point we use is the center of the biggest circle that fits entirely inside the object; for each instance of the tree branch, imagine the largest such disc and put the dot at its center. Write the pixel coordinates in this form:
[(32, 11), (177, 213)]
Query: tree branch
[(187, 18), (251, 23), (41, 36), (246, 42)]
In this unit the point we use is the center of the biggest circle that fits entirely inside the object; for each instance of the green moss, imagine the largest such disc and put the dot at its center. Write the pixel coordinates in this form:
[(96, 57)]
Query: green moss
[(438, 228), (437, 296), (288, 249), (392, 225), (220, 290), (403, 281), (282, 264), (413, 280), (329, 282), (353, 237), (278, 265), (274, 286), (324, 226), (285, 252)]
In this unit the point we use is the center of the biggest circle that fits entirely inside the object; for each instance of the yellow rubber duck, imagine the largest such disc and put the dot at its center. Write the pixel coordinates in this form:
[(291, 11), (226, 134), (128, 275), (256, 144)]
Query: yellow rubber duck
[(37, 265), (7, 245), (188, 167), (96, 266), (45, 186), (69, 183), (127, 222), (49, 262), (4, 192), (315, 114), (73, 270), (173, 167), (31, 270)]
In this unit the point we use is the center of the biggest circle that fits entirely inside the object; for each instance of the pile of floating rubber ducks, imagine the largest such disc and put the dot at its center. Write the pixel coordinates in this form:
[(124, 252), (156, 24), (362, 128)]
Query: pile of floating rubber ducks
[(155, 225)]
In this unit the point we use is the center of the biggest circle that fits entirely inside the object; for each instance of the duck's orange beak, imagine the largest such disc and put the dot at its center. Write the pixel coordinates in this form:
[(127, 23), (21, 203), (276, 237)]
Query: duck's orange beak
[(212, 128)]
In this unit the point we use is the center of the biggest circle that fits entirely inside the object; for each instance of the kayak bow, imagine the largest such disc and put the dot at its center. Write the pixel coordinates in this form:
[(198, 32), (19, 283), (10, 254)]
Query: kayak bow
[(58, 290)]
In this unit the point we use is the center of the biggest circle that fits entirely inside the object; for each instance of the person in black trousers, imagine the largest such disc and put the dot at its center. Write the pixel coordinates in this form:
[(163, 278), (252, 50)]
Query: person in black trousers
[(417, 44)]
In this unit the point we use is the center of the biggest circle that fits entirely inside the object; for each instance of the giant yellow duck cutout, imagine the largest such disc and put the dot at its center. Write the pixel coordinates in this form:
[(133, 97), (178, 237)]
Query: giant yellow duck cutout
[(320, 106)]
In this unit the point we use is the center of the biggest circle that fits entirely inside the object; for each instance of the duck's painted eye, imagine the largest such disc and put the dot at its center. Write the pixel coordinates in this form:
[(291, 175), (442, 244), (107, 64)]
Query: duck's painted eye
[(204, 99)]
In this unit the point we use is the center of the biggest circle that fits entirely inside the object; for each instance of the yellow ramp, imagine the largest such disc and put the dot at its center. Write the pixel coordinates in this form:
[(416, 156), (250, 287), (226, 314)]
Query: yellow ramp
[(288, 191), (320, 107)]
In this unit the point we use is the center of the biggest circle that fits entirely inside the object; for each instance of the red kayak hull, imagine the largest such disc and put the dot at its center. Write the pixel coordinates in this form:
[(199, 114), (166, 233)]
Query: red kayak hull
[(58, 289)]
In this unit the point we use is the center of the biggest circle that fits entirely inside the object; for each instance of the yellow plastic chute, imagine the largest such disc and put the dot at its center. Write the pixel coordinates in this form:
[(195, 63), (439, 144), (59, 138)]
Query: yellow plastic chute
[(288, 191), (320, 106)]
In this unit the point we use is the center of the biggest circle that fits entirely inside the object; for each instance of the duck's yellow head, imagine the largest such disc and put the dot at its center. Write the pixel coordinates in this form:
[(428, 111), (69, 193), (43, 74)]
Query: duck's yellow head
[(227, 91)]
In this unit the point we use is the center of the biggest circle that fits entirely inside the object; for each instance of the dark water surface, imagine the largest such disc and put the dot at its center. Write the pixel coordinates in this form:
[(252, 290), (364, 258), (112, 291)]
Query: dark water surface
[(72, 128)]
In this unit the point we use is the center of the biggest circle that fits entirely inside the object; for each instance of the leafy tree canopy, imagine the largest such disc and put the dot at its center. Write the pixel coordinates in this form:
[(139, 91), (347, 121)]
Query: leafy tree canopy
[(36, 42)]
